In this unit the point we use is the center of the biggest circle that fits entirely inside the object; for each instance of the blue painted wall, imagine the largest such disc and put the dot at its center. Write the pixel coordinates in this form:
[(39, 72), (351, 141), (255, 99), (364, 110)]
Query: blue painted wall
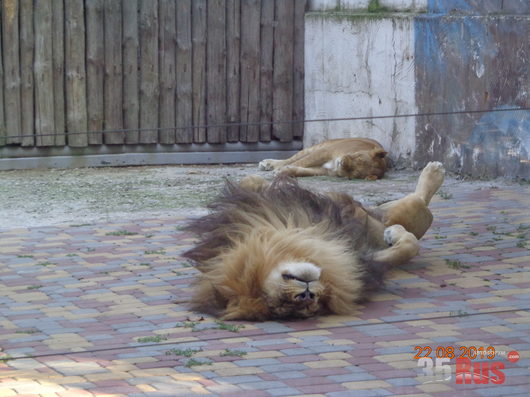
[(474, 54)]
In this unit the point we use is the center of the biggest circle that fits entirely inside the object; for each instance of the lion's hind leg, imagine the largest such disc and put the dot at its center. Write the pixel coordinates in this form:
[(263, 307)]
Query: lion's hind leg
[(412, 211), (430, 180), (403, 246)]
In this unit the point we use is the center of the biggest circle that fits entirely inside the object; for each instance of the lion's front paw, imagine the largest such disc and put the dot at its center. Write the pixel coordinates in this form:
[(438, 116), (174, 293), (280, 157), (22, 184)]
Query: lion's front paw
[(393, 233), (267, 164)]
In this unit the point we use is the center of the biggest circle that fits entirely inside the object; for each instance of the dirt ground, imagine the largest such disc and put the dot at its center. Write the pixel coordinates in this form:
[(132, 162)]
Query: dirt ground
[(32, 198)]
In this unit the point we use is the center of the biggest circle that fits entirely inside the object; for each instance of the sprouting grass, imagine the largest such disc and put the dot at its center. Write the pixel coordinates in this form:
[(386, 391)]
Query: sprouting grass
[(184, 353), (445, 195), (35, 286), (229, 327), (27, 331), (439, 237), (473, 233), (155, 252), (459, 313), (24, 256), (456, 264), (44, 263), (5, 359), (193, 363), (233, 353), (121, 233), (187, 324), (152, 339)]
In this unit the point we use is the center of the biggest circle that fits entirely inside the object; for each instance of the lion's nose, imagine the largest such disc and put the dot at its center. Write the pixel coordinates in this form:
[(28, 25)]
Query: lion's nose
[(305, 296)]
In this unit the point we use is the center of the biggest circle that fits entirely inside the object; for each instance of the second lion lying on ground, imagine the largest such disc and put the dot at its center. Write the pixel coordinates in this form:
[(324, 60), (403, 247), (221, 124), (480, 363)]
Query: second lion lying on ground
[(269, 251), (352, 158)]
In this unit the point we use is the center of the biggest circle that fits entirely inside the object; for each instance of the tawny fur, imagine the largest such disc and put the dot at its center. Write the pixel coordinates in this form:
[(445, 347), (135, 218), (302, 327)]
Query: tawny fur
[(260, 240), (251, 232), (352, 158)]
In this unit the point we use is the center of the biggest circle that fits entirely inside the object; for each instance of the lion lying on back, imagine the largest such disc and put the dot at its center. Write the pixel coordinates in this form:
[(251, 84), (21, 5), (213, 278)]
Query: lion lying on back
[(352, 158), (269, 251)]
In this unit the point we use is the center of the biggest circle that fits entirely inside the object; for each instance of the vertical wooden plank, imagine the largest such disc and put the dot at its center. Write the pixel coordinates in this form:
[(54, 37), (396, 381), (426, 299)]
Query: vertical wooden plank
[(233, 49), (76, 116), (2, 114), (198, 34), (167, 50), (184, 108), (216, 71), (59, 106), (10, 47), (149, 71), (282, 102), (44, 112), (266, 70), (113, 74), (250, 69), (26, 72), (95, 42), (131, 99), (298, 67)]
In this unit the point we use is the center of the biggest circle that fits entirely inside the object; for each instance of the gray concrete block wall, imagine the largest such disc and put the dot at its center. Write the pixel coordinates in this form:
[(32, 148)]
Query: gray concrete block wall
[(456, 55)]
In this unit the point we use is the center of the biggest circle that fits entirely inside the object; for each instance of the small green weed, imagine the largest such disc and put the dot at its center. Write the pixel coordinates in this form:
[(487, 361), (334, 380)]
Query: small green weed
[(375, 7), (5, 359), (27, 331), (233, 353), (121, 233), (35, 286), (193, 363), (187, 324), (459, 313), (152, 339), (439, 237), (229, 327), (445, 195), (473, 233), (155, 252), (24, 256), (44, 263), (456, 264), (184, 353)]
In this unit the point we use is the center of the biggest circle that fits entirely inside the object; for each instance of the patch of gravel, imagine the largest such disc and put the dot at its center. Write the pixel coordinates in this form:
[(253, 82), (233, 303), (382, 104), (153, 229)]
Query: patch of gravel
[(32, 198)]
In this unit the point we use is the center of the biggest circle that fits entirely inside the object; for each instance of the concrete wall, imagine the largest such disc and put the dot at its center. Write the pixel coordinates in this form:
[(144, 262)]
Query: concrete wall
[(456, 55)]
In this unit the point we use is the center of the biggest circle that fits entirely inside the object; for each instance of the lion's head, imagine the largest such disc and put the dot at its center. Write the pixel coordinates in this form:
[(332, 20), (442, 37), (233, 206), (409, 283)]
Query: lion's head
[(294, 289), (370, 164)]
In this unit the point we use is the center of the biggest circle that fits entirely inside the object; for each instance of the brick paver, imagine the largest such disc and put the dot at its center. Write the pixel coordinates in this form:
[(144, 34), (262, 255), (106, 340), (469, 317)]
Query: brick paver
[(101, 309)]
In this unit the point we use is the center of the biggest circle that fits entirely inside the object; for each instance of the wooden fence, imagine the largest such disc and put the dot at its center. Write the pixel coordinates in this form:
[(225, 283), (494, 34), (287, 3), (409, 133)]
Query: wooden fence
[(94, 72)]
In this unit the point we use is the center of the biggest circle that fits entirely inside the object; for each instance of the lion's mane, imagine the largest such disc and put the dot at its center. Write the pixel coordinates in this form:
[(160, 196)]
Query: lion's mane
[(248, 232)]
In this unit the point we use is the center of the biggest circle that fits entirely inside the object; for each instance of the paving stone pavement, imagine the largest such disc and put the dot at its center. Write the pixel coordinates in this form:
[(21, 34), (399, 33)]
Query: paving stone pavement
[(101, 310)]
